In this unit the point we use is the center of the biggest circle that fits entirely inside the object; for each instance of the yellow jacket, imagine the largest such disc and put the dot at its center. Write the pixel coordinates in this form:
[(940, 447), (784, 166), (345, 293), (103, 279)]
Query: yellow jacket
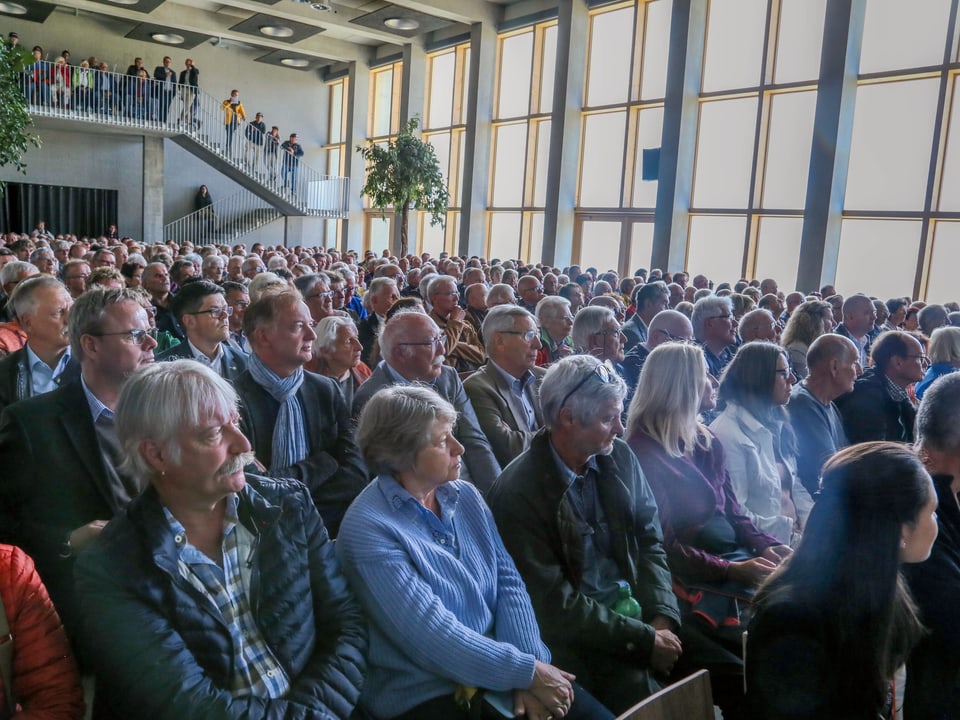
[(228, 112)]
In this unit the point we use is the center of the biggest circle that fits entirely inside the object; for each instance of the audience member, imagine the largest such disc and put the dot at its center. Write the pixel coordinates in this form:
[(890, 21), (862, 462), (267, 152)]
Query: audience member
[(944, 355), (597, 332), (297, 422), (834, 366), (833, 625), (760, 446), (156, 281), (896, 313), (462, 349), (237, 633), (505, 392), (715, 329), (932, 317), (809, 320), (879, 407), (666, 326), (202, 311), (484, 631), (501, 294), (859, 318), (574, 294), (412, 349), (758, 324), (381, 294), (59, 451), (336, 354), (11, 274), (556, 323)]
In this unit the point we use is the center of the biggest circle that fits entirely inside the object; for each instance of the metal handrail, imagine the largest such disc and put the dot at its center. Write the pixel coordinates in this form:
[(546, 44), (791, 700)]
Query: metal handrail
[(118, 99), (223, 221)]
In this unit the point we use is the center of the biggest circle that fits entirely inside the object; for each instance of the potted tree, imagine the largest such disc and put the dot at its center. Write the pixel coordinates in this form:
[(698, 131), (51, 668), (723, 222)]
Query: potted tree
[(404, 174), (14, 118)]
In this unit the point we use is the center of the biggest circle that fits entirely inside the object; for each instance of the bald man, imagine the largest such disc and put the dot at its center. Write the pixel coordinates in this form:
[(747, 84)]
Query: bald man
[(834, 363), (859, 317), (666, 326), (759, 325)]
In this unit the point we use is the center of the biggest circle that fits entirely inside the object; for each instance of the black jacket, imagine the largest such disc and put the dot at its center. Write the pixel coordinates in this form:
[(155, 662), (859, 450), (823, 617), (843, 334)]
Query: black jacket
[(161, 652), (232, 363), (333, 469), (869, 413), (15, 377)]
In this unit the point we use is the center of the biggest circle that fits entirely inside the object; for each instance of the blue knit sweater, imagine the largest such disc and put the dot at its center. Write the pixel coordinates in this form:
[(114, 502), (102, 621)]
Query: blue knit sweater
[(445, 602)]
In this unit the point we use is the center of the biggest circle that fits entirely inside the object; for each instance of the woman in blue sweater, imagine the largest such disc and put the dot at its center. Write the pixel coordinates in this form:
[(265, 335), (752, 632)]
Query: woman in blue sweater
[(451, 624)]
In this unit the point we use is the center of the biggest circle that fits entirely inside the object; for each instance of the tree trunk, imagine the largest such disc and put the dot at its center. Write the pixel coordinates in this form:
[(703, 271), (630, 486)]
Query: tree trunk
[(404, 218)]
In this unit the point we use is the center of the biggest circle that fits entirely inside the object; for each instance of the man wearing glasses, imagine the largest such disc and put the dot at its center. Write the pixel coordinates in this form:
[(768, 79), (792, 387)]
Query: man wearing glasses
[(201, 309), (580, 521), (880, 408), (715, 329), (412, 347), (59, 451), (505, 392)]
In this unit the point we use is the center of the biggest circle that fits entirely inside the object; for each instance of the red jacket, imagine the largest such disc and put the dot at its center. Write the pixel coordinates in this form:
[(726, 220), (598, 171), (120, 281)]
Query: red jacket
[(45, 676)]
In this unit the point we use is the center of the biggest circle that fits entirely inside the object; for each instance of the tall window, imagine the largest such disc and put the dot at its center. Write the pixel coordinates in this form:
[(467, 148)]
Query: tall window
[(444, 128), (757, 102), (384, 124), (900, 231), (334, 150), (622, 117), (521, 142)]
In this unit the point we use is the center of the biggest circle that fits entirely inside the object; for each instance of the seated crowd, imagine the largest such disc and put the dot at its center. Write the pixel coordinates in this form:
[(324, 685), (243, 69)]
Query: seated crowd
[(298, 483)]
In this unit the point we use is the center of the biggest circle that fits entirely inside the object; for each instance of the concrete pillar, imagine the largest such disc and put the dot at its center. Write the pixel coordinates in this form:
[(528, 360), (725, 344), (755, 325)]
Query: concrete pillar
[(563, 166), (152, 230), (832, 134), (679, 139), (357, 107), (476, 138)]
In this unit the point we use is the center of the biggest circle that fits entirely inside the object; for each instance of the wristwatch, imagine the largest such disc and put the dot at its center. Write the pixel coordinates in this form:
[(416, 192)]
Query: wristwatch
[(66, 547)]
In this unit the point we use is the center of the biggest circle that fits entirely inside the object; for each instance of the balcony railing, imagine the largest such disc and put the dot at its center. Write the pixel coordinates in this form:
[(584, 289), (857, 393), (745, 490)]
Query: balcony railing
[(115, 99), (224, 221)]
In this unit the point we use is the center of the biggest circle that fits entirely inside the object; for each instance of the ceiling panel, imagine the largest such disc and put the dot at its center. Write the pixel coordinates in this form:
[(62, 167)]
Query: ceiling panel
[(297, 31)]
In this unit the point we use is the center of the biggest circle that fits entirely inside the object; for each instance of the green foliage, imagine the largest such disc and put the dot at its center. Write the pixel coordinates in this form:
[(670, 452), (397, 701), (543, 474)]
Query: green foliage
[(14, 118), (404, 174)]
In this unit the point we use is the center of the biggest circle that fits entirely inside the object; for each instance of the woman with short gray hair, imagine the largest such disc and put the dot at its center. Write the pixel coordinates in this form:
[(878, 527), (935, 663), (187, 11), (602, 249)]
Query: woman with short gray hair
[(336, 354), (451, 624), (556, 322)]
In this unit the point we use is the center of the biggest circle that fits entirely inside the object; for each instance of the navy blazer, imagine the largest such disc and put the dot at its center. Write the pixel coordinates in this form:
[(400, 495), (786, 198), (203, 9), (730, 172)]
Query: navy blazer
[(15, 381), (479, 464), (55, 480), (333, 469), (232, 363)]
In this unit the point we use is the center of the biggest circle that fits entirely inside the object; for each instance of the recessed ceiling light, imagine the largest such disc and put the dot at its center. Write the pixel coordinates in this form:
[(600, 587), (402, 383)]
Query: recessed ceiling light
[(321, 6), (168, 38), (295, 62), (125, 2), (398, 23), (12, 8), (280, 31)]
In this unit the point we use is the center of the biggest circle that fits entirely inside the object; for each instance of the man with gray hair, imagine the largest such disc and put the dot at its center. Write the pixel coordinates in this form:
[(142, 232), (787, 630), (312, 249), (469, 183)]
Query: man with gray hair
[(934, 668), (596, 332), (505, 392), (859, 316), (379, 297), (580, 521), (42, 305), (462, 349), (501, 294), (411, 345), (59, 451), (715, 329), (759, 324), (297, 422), (11, 274), (218, 593)]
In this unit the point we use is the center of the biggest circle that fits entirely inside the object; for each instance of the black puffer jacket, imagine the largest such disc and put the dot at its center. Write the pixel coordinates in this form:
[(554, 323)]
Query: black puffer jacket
[(160, 651)]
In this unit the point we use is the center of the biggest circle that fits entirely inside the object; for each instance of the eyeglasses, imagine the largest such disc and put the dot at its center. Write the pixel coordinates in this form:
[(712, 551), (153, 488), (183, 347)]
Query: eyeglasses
[(675, 338), (618, 331), (215, 312), (527, 335), (321, 295), (720, 317), (438, 340), (600, 371), (132, 337), (924, 360), (76, 277), (241, 304), (538, 288)]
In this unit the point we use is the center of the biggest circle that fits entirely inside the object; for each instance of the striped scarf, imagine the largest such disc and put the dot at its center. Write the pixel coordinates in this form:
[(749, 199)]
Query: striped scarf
[(290, 433)]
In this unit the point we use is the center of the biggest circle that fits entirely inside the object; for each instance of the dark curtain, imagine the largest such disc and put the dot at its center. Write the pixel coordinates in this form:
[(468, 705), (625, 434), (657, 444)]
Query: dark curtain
[(77, 210)]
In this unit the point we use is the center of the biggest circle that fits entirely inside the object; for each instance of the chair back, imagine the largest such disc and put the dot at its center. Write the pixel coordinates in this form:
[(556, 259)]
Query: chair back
[(688, 699)]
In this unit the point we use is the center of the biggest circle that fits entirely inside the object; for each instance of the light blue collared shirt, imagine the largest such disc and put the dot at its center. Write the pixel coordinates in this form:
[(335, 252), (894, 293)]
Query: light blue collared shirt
[(43, 378)]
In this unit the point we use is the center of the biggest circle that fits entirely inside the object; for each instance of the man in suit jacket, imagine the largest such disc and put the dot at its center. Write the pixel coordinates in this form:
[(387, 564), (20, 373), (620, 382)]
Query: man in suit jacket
[(296, 421), (382, 294), (42, 305), (505, 392), (202, 310), (59, 451), (412, 348)]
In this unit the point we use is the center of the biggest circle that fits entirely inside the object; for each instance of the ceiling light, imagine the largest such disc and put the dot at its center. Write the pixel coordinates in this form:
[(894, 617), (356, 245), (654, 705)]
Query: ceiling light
[(12, 8), (168, 38), (295, 62), (321, 6), (398, 23), (280, 31), (125, 2)]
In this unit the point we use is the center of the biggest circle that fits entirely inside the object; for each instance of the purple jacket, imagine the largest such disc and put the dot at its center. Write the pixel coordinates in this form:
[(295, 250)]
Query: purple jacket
[(689, 492)]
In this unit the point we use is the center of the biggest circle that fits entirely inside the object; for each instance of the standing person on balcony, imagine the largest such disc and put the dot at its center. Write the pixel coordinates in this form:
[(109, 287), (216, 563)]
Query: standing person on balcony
[(255, 133), (292, 152), (83, 86), (166, 79), (204, 202), (38, 80), (189, 98), (105, 88), (233, 113), (60, 84), (270, 148)]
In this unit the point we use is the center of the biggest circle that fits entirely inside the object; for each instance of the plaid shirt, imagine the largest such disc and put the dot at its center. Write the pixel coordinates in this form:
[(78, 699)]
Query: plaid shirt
[(895, 392), (257, 671)]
